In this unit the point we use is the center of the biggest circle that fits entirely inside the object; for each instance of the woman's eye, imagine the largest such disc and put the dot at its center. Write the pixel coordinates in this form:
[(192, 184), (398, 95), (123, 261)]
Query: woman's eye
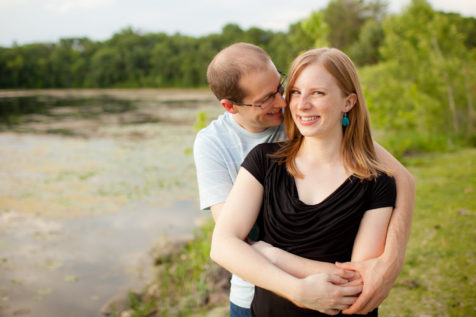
[(318, 93), (295, 92)]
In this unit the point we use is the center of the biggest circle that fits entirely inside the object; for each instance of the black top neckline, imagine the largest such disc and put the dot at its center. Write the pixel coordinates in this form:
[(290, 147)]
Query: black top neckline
[(329, 197)]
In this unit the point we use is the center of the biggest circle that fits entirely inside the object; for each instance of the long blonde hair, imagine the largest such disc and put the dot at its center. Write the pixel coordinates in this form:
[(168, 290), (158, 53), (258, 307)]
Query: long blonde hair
[(357, 149)]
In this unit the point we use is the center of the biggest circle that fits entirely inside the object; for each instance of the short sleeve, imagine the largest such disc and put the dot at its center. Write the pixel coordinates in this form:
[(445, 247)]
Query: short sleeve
[(383, 193), (257, 160), (213, 177)]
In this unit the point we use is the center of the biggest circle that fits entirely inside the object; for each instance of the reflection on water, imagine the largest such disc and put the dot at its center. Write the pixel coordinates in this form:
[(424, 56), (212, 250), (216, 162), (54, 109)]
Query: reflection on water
[(80, 209), (71, 267)]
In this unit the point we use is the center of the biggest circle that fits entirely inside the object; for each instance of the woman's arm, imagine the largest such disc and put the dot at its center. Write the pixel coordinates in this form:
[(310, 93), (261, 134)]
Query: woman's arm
[(319, 292), (370, 240), (298, 266)]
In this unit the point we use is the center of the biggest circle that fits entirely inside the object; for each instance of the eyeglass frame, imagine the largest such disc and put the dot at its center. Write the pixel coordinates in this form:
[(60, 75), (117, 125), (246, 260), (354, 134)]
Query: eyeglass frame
[(281, 86)]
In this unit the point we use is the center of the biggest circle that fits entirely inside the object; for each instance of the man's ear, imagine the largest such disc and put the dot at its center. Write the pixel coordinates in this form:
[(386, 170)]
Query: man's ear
[(229, 106), (350, 102)]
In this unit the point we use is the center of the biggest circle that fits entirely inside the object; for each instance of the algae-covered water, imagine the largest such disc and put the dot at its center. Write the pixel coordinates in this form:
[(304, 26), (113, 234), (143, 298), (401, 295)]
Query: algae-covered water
[(89, 182)]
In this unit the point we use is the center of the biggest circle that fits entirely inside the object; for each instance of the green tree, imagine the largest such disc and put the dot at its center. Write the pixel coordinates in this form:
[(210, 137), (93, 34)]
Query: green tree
[(345, 19), (426, 82), (365, 51)]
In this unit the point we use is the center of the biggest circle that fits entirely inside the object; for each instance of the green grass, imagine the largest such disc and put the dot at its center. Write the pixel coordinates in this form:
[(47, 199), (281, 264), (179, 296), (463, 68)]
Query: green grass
[(439, 275), (187, 281)]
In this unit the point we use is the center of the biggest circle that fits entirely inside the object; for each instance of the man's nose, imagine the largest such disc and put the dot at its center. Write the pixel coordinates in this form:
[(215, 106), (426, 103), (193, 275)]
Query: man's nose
[(280, 102)]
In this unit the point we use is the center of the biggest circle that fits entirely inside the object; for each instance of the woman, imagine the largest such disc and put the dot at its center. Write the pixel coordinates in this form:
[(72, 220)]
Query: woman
[(321, 196)]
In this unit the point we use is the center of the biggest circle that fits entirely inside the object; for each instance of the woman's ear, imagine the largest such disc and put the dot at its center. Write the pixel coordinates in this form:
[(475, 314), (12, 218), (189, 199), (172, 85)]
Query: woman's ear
[(229, 106), (350, 102)]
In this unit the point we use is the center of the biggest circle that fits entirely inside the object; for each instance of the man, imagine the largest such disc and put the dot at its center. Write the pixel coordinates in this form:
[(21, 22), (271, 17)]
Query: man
[(249, 87)]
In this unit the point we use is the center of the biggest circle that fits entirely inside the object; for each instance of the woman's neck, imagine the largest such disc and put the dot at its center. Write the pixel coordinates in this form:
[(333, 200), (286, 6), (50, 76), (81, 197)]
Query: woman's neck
[(324, 151)]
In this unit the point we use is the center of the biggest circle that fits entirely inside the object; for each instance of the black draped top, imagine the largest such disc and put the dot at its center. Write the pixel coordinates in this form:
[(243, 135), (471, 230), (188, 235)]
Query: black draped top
[(323, 232)]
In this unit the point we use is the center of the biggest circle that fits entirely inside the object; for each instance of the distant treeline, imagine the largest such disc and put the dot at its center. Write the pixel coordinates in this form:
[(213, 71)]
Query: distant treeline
[(418, 67), (132, 59)]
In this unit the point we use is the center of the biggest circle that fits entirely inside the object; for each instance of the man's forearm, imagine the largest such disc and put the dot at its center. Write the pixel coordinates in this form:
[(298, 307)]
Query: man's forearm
[(400, 223)]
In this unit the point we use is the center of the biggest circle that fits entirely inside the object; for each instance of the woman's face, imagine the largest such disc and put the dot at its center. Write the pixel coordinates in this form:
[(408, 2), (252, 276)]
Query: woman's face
[(317, 103)]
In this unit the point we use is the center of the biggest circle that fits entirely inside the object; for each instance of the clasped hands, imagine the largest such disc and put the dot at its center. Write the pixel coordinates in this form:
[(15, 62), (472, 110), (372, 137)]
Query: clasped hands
[(328, 292)]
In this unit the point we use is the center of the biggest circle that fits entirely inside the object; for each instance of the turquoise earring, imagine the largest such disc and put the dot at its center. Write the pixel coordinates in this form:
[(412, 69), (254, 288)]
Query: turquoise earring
[(345, 120)]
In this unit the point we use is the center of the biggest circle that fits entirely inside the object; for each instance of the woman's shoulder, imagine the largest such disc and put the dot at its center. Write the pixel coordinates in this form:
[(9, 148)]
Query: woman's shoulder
[(264, 149), (383, 177), (384, 188), (260, 154), (269, 147)]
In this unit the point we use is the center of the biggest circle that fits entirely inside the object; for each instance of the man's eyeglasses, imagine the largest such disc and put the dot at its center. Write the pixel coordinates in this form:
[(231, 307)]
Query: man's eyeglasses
[(268, 101)]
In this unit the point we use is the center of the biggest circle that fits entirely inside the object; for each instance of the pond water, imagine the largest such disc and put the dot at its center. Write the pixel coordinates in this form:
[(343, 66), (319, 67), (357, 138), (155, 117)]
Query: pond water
[(88, 186)]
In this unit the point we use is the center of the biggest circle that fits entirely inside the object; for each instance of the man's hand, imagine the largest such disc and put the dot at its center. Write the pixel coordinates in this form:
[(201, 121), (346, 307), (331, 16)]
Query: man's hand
[(327, 293), (378, 277)]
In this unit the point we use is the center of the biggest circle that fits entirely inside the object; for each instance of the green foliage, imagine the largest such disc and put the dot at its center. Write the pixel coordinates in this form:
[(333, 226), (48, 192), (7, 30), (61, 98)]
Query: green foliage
[(346, 18), (140, 308), (316, 28), (187, 277), (365, 51), (201, 121), (425, 86)]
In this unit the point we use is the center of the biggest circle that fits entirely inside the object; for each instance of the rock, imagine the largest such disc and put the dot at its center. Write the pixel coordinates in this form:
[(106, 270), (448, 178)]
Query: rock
[(170, 247), (464, 212), (22, 312), (117, 303), (126, 313)]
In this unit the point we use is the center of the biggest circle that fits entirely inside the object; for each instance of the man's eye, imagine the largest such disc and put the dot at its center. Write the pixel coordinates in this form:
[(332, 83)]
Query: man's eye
[(266, 100)]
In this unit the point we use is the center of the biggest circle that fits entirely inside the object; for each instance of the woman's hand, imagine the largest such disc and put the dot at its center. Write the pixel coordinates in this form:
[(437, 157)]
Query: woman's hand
[(327, 293)]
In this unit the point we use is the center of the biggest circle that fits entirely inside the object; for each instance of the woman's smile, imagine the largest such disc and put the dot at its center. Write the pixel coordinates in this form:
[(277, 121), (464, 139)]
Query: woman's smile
[(308, 120)]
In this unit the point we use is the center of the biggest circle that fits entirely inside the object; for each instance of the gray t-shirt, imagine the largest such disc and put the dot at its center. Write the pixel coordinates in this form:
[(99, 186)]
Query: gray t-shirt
[(219, 150)]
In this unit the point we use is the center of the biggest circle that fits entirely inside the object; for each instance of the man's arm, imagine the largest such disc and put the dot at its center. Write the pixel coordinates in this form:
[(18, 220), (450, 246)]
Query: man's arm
[(379, 274)]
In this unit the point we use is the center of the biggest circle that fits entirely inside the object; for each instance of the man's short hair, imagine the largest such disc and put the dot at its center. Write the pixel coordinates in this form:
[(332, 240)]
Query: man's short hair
[(230, 64)]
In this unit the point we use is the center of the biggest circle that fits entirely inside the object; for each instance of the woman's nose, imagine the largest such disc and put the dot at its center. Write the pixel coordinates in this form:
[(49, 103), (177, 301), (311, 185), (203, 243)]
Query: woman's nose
[(303, 102)]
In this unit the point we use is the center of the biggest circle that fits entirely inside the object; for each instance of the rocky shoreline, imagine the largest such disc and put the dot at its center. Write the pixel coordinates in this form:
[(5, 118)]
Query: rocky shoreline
[(215, 299)]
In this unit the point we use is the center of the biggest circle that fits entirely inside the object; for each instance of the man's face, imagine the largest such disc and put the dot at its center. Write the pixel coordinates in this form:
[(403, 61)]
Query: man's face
[(261, 86)]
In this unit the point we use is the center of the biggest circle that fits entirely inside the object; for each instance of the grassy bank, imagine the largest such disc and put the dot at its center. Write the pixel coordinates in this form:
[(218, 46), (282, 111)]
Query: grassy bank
[(438, 277), (439, 274)]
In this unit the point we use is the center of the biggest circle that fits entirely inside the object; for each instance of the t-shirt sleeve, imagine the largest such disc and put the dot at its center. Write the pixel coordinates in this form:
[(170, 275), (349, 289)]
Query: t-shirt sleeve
[(256, 162), (213, 177), (383, 193)]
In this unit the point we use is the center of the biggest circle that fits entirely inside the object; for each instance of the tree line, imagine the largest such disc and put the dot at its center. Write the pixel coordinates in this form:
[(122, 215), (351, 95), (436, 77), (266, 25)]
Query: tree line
[(417, 66)]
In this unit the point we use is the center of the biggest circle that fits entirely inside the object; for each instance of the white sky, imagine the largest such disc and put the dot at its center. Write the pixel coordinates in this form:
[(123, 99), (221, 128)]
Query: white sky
[(27, 21)]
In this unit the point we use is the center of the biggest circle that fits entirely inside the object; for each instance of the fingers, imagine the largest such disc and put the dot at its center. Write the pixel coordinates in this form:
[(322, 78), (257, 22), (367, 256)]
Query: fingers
[(358, 305), (351, 290), (335, 279), (347, 266), (354, 282), (371, 305), (331, 311), (343, 303), (346, 274)]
